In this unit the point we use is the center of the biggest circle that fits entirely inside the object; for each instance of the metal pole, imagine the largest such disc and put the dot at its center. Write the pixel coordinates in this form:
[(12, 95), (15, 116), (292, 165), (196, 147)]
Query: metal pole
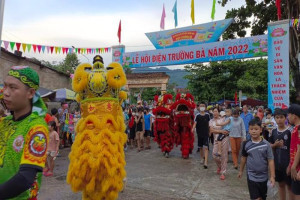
[(2, 2)]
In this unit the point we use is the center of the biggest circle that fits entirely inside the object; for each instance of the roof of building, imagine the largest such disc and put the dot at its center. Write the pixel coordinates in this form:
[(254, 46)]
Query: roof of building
[(148, 75), (32, 61)]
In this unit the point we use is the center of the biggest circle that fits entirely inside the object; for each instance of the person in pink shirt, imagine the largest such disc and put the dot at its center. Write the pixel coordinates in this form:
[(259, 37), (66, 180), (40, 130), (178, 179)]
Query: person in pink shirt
[(53, 147), (221, 161)]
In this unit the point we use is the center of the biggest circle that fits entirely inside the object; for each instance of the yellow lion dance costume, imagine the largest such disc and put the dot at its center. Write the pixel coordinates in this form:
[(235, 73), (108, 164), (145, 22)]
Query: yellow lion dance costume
[(97, 159)]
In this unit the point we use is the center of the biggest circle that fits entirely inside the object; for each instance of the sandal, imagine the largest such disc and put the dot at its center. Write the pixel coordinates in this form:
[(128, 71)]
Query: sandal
[(45, 170), (48, 174)]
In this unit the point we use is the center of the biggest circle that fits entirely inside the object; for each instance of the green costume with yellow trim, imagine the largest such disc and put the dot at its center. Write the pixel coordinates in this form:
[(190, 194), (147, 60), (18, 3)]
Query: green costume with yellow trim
[(24, 142)]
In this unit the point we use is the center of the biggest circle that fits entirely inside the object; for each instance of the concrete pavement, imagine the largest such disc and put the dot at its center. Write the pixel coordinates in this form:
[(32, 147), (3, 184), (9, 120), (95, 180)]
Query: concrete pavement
[(152, 176)]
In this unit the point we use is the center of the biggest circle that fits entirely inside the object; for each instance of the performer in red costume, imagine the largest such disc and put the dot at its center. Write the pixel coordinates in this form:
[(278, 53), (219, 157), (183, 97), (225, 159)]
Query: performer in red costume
[(183, 114), (162, 125)]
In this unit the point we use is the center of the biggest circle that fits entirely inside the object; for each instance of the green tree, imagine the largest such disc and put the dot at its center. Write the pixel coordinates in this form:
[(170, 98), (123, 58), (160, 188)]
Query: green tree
[(149, 93), (127, 70), (219, 80), (69, 64), (256, 14), (171, 88)]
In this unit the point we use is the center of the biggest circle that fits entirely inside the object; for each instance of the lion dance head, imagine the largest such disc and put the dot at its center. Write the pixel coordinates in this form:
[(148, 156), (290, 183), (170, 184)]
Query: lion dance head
[(183, 113), (97, 160)]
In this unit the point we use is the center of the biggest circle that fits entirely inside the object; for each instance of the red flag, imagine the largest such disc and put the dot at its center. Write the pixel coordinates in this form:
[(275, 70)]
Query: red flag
[(18, 46), (235, 98), (119, 32), (278, 5), (51, 49), (34, 48)]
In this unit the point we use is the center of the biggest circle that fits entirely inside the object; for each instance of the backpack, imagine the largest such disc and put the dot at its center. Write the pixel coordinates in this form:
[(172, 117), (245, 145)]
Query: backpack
[(131, 123)]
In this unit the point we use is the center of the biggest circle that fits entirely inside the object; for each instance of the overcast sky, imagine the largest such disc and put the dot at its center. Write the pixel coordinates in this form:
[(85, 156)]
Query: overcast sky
[(94, 23)]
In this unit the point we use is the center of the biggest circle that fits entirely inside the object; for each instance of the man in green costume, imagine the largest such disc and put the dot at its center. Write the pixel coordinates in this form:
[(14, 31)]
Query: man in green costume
[(23, 136)]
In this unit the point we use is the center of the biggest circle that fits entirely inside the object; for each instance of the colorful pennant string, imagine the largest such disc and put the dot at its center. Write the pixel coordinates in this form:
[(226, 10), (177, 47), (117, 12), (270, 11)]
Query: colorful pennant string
[(295, 23), (37, 48)]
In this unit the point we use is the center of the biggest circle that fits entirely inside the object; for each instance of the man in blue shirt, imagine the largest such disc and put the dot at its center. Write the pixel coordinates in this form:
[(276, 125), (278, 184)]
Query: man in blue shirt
[(148, 125), (247, 117)]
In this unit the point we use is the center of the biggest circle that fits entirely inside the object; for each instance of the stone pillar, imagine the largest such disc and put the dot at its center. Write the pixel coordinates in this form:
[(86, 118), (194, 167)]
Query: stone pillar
[(163, 88)]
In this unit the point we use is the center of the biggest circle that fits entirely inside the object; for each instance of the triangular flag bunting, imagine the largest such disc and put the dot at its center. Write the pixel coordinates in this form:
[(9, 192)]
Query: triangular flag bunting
[(12, 45), (79, 49), (43, 48), (51, 49), (34, 48), (76, 50), (6, 43), (39, 48), (97, 50), (24, 47), (28, 47), (56, 49), (59, 49), (63, 50), (18, 45), (48, 49), (106, 50)]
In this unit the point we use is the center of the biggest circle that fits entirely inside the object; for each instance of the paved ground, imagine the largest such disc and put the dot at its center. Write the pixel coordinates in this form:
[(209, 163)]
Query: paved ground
[(151, 176)]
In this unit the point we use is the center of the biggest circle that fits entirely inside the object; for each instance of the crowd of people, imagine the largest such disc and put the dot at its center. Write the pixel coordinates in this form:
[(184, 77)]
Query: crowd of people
[(266, 142)]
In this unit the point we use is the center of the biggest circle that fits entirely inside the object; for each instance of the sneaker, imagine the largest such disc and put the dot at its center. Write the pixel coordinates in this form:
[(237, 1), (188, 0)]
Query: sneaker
[(222, 177), (167, 155), (218, 171), (205, 166), (202, 161)]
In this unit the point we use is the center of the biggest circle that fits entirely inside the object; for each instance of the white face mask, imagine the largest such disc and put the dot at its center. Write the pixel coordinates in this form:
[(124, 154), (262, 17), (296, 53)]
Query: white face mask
[(202, 109)]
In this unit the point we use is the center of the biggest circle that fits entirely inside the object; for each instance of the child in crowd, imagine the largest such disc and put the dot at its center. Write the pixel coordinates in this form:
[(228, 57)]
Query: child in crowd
[(269, 122), (294, 165), (257, 153), (53, 147), (132, 127), (280, 140), (227, 119)]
